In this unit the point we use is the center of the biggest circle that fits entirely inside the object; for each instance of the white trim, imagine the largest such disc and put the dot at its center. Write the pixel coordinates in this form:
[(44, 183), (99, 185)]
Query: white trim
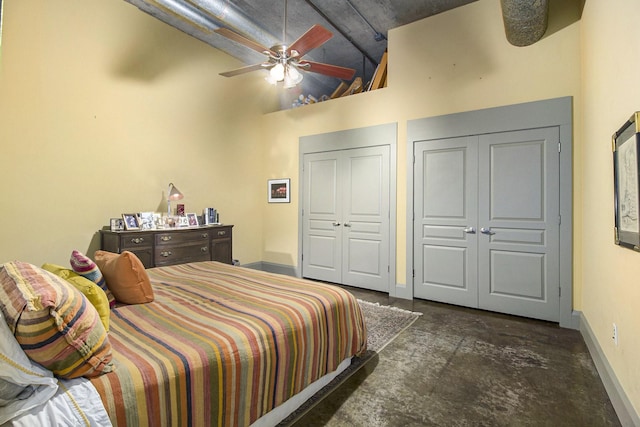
[(619, 399)]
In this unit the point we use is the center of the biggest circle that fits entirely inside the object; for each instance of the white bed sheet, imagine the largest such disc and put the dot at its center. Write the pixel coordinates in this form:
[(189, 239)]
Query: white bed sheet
[(76, 403)]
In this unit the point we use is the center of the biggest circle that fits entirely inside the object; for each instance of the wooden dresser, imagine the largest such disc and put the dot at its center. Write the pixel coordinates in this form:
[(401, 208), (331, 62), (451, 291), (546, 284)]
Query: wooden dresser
[(170, 246)]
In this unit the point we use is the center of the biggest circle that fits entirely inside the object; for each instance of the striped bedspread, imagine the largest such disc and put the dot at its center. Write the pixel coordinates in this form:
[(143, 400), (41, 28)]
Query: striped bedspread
[(223, 345)]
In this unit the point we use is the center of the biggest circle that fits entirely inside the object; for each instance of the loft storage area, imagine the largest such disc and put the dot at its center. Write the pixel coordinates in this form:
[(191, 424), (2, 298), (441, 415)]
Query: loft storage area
[(379, 80)]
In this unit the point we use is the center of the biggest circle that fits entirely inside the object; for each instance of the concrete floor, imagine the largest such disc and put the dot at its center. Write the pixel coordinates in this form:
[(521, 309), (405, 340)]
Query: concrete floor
[(463, 367)]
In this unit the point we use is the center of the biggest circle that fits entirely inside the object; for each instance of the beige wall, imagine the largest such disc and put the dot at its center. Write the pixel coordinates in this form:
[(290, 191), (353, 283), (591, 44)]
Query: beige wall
[(456, 61), (101, 106), (611, 288)]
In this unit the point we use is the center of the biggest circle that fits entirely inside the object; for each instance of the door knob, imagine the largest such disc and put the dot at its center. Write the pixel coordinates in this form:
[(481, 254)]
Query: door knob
[(336, 224), (487, 230), (346, 224), (470, 230)]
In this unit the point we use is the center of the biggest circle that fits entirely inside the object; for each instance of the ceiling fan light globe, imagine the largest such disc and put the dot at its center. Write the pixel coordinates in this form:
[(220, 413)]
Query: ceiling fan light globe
[(292, 76), (277, 72)]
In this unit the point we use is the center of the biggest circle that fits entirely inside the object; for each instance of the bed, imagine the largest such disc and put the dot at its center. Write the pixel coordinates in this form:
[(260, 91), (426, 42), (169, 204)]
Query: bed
[(225, 345)]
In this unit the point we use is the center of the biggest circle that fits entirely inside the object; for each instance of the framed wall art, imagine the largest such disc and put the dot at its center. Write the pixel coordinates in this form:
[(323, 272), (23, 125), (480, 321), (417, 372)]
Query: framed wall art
[(279, 190), (625, 145)]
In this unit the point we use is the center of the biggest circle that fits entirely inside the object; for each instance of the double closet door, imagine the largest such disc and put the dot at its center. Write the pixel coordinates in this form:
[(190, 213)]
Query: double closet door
[(345, 217), (486, 226)]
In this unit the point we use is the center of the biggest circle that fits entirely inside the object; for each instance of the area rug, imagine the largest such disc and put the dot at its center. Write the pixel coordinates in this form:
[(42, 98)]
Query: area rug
[(384, 324)]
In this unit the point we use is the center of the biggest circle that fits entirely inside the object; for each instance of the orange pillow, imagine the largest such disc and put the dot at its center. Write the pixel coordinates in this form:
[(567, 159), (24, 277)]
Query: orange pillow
[(125, 276)]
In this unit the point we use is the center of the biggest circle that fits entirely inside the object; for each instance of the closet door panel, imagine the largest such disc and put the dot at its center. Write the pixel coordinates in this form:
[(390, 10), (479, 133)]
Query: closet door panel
[(322, 218), (365, 261)]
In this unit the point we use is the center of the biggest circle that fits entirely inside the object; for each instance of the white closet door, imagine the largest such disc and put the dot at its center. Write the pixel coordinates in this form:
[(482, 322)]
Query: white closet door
[(519, 211), (322, 217), (446, 220), (486, 227), (346, 217)]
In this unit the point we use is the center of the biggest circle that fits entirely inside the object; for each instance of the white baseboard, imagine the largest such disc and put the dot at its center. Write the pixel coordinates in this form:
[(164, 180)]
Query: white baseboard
[(621, 403)]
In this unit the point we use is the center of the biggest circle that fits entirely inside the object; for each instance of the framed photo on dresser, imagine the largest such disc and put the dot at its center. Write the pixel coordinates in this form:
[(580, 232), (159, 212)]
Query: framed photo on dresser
[(193, 219), (116, 224), (131, 221)]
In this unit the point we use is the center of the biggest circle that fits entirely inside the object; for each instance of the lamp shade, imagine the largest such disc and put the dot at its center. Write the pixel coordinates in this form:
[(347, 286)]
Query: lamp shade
[(174, 193)]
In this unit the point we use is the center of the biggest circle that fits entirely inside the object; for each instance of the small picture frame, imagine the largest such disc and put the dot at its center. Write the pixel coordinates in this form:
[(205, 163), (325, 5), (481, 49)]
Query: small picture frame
[(131, 221), (158, 220), (183, 221), (117, 224), (147, 221), (192, 218), (279, 190), (626, 147)]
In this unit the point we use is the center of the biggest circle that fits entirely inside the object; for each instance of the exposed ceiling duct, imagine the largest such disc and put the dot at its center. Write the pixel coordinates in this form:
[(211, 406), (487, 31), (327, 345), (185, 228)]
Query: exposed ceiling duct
[(525, 21)]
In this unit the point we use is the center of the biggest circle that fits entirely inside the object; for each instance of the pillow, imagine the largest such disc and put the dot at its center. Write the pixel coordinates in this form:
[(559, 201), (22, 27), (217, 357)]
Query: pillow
[(53, 322), (125, 276), (83, 265), (23, 384), (94, 293)]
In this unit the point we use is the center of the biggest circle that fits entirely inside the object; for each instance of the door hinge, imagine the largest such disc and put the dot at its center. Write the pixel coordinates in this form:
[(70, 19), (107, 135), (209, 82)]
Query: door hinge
[(559, 219), (559, 147), (302, 257), (559, 292), (302, 211), (388, 269), (413, 272)]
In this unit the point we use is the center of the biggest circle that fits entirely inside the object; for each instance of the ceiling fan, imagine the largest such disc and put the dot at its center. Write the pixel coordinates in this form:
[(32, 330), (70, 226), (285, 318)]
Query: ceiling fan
[(283, 62)]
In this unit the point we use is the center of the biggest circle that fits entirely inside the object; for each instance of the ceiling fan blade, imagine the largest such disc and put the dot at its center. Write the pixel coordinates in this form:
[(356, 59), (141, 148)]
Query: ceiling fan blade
[(242, 40), (314, 37), (328, 70), (243, 70)]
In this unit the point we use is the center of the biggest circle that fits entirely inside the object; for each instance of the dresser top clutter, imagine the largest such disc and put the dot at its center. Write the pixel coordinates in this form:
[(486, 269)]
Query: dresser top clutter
[(170, 246)]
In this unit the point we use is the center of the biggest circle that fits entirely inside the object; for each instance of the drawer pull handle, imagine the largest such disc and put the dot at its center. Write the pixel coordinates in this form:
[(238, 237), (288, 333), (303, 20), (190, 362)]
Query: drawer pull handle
[(221, 233), (165, 238), (204, 249), (205, 235), (166, 253), (137, 240)]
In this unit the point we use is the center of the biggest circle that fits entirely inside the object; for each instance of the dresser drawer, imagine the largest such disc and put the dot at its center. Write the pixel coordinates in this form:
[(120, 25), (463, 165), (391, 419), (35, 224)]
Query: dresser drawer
[(135, 241), (182, 237), (181, 254), (221, 233)]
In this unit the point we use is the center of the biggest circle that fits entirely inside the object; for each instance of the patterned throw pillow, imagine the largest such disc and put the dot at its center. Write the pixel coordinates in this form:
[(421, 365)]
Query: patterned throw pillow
[(53, 322), (94, 293), (84, 266), (126, 276)]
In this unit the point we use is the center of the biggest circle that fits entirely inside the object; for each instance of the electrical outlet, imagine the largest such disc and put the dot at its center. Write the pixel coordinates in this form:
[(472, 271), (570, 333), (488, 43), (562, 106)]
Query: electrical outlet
[(615, 334)]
